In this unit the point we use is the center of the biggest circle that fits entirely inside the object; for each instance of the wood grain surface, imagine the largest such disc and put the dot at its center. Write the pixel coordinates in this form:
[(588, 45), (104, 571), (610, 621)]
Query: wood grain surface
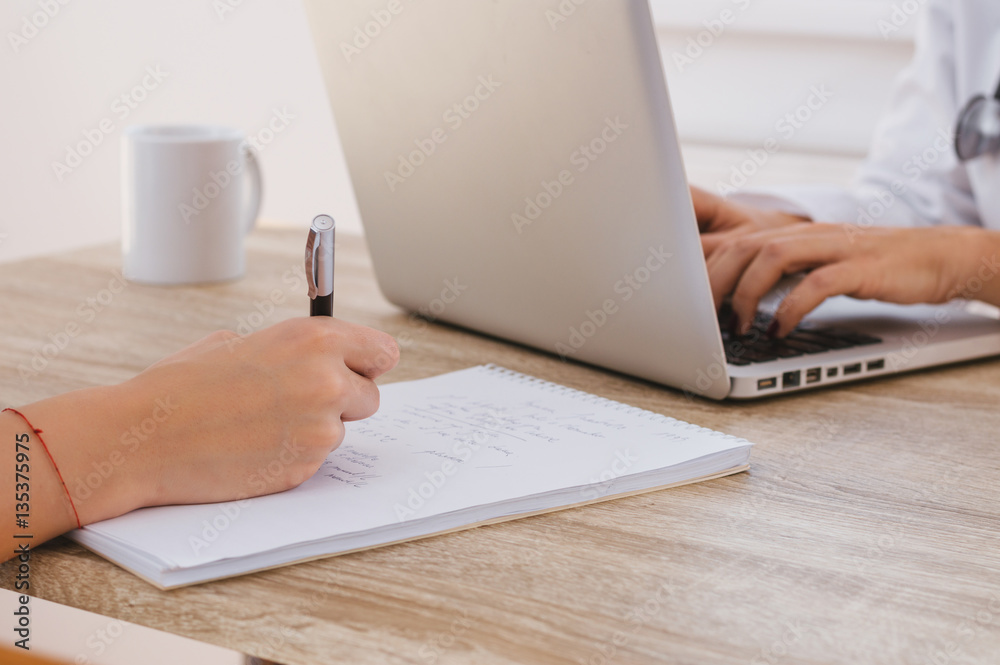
[(866, 530)]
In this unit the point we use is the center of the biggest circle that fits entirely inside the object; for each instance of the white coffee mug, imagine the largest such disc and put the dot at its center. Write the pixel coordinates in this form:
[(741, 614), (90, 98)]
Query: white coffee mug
[(190, 194)]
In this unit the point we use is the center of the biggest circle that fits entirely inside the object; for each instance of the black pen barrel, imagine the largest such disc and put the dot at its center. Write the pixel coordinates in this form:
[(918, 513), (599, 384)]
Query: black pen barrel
[(321, 306)]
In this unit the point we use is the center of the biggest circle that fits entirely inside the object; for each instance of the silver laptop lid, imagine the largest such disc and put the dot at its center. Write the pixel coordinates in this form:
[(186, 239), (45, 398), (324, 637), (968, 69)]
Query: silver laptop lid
[(518, 172)]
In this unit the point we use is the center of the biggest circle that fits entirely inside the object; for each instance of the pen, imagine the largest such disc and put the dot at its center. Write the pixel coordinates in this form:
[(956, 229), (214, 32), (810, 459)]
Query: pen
[(319, 265)]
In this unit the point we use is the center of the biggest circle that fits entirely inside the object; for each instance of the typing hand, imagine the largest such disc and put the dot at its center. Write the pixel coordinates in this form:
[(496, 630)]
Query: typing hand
[(925, 265), (721, 220)]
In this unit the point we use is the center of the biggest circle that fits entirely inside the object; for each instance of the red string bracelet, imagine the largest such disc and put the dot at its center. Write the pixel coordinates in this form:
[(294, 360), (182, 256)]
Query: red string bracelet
[(38, 433)]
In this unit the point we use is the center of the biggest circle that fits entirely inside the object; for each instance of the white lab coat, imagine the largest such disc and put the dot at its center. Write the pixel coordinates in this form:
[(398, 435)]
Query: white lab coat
[(912, 176)]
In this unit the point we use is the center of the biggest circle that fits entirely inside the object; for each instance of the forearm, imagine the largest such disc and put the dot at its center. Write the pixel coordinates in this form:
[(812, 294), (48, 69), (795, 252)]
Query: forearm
[(36, 506), (81, 473), (977, 266)]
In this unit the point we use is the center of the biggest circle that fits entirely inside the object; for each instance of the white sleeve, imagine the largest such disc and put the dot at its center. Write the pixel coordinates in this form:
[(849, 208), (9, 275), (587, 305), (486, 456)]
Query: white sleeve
[(911, 176)]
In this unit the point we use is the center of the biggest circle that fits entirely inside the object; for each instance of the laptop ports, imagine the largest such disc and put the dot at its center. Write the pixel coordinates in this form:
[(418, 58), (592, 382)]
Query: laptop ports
[(875, 365), (814, 375), (767, 384), (791, 379), (853, 368)]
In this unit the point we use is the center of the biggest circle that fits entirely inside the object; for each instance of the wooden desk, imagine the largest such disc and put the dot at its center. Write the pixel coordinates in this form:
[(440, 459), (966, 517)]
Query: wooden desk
[(867, 530)]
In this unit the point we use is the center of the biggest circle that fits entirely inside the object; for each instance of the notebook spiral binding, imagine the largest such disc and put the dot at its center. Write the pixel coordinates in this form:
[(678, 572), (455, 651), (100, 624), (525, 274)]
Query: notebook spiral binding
[(589, 398)]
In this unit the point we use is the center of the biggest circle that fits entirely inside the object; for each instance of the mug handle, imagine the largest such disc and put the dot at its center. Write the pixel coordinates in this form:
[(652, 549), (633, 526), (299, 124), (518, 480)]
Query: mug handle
[(256, 186)]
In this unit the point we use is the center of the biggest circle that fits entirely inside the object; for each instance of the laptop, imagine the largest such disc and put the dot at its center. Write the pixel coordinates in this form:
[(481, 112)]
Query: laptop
[(518, 173)]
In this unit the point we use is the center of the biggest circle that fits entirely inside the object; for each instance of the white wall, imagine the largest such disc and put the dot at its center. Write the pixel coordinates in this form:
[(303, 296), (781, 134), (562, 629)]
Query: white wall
[(737, 67), (225, 61)]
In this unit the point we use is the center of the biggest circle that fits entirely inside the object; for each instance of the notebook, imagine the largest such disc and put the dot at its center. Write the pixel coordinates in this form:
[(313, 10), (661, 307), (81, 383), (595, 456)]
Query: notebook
[(459, 450)]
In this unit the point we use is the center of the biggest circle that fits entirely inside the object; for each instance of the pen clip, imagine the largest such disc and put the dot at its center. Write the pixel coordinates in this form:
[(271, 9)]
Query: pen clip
[(311, 262)]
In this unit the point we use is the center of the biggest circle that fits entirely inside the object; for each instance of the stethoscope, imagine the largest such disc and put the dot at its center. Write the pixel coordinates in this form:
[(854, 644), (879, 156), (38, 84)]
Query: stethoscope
[(978, 129)]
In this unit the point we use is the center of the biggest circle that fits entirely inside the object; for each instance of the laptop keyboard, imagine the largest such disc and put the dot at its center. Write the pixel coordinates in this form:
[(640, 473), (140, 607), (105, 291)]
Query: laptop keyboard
[(806, 339)]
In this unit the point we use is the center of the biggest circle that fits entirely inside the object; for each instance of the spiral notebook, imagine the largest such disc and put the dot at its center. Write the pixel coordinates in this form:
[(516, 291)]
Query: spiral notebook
[(450, 452)]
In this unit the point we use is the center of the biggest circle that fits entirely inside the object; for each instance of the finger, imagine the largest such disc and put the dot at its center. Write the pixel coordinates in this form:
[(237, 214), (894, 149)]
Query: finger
[(355, 396), (368, 352), (712, 240), (834, 279), (372, 353), (784, 254), (706, 207), (729, 260)]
